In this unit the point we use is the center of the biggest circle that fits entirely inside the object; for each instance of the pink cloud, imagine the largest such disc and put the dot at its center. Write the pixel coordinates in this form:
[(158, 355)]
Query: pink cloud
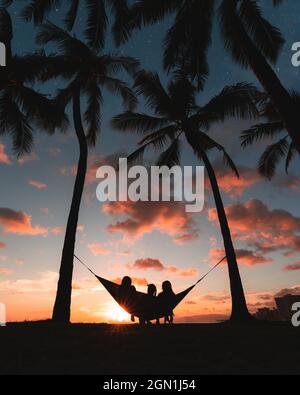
[(2, 245), (157, 265), (38, 185), (135, 280), (292, 267), (265, 229), (27, 159), (98, 249), (230, 184), (145, 217), (18, 222), (244, 257), (4, 158), (58, 230), (5, 271)]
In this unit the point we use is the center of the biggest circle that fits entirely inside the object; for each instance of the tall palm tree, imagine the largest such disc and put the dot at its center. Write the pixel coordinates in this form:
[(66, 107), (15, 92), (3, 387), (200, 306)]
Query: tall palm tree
[(97, 17), (21, 107), (176, 116), (251, 40), (87, 72), (274, 127)]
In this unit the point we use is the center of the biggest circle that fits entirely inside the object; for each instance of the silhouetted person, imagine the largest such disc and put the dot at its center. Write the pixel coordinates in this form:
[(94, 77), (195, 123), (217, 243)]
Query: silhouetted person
[(165, 297), (128, 294), (152, 291)]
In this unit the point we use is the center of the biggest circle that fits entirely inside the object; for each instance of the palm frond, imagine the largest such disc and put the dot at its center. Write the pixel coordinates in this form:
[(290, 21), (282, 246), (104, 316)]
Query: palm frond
[(97, 24), (92, 114), (149, 85), (170, 157), (71, 14), (237, 101), (14, 123), (290, 156), (68, 46), (271, 157), (119, 87), (266, 37), (261, 131), (38, 10), (137, 122)]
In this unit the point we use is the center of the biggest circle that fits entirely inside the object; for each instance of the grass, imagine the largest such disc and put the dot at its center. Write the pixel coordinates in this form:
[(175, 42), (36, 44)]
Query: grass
[(44, 348)]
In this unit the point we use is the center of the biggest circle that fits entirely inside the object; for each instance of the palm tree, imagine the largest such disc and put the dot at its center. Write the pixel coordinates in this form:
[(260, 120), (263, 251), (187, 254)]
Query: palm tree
[(21, 107), (251, 40), (176, 116), (87, 72), (282, 149), (97, 17)]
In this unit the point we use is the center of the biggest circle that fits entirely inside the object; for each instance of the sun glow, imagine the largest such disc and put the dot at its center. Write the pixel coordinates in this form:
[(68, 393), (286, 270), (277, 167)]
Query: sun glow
[(115, 313)]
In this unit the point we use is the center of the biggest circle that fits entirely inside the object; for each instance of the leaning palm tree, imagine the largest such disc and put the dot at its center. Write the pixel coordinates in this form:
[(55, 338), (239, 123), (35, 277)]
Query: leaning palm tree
[(87, 72), (273, 127), (97, 17), (21, 107), (177, 116), (251, 40)]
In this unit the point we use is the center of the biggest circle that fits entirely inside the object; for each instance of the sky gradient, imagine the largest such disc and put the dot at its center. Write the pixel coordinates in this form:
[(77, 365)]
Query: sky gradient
[(150, 242)]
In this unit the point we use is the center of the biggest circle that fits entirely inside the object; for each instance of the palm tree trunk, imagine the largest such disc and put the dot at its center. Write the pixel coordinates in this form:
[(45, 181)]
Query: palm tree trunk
[(239, 306), (268, 79), (239, 311), (62, 306)]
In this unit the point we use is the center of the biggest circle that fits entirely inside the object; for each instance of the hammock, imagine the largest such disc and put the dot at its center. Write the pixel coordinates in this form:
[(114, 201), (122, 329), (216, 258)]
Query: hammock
[(144, 306)]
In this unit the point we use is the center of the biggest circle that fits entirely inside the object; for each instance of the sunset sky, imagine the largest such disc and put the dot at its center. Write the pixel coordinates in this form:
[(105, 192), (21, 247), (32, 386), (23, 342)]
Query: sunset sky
[(151, 242)]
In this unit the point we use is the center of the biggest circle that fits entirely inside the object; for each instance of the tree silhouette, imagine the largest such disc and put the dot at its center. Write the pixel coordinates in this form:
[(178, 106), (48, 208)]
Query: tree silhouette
[(87, 72), (21, 107), (97, 17), (250, 39), (282, 149), (175, 115)]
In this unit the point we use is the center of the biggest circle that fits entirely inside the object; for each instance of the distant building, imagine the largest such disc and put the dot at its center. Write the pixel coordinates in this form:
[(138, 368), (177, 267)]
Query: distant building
[(282, 312)]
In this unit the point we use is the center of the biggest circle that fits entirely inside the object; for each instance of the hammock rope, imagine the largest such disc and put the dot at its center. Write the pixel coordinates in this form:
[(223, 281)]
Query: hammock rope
[(142, 305), (198, 282)]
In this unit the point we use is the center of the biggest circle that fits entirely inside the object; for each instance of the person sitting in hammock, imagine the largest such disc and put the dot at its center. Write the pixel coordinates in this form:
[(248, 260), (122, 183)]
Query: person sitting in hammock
[(152, 291), (128, 294), (164, 297)]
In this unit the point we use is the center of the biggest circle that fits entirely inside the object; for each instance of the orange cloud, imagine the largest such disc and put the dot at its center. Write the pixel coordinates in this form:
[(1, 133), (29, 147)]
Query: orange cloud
[(145, 217), (135, 280), (2, 245), (264, 229), (4, 158), (244, 257), (38, 185), (292, 267), (18, 222), (156, 264), (230, 184), (98, 249), (5, 271)]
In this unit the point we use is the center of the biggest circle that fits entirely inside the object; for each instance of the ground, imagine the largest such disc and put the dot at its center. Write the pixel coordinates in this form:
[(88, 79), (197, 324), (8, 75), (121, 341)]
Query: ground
[(42, 348)]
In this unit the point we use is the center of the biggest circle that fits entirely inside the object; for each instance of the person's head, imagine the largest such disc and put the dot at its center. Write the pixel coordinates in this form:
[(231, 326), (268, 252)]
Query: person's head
[(126, 282), (167, 286), (152, 290)]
